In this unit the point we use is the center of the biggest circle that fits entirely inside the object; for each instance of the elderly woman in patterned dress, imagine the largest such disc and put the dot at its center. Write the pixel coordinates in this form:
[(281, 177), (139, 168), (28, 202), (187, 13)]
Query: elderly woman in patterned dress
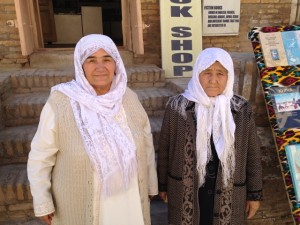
[(92, 157), (209, 165)]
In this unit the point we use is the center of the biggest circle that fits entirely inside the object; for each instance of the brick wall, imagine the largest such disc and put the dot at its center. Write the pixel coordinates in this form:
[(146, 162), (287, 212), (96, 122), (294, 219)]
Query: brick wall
[(152, 44), (253, 13), (10, 49)]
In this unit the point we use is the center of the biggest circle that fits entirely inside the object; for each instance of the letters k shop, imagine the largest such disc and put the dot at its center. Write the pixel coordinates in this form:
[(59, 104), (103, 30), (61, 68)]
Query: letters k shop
[(181, 36)]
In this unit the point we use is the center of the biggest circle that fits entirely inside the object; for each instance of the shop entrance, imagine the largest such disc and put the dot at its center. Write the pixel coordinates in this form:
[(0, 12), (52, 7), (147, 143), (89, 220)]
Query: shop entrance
[(64, 22), (45, 24)]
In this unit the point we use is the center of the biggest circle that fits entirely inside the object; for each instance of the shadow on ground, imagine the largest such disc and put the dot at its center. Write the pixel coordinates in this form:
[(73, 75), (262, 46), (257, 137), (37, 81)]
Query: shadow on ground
[(159, 212)]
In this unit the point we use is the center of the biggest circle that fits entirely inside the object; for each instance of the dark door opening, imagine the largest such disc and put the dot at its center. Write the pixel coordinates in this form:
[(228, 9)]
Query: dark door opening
[(75, 18)]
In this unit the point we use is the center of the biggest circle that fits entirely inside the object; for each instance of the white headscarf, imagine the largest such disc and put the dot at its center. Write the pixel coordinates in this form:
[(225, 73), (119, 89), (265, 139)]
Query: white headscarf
[(214, 117), (111, 151)]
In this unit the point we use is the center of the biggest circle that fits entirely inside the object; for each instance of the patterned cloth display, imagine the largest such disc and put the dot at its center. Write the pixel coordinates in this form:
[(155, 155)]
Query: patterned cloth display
[(280, 76)]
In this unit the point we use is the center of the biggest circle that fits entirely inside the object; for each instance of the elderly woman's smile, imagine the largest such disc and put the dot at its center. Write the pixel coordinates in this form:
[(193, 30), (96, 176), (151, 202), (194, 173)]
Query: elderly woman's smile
[(99, 69)]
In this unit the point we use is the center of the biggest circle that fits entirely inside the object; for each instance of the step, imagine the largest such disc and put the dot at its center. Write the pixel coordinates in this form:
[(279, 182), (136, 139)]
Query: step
[(61, 58), (26, 221), (37, 79), (154, 99), (25, 109), (141, 76), (178, 85), (15, 141), (5, 84), (52, 58), (5, 89), (15, 196), (14, 184)]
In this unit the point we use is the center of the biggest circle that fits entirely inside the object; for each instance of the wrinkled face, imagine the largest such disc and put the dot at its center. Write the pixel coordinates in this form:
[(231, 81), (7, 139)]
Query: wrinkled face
[(214, 79), (99, 69)]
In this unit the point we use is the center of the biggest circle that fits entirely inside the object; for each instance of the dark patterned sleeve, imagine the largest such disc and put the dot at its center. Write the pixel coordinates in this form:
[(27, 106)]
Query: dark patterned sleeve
[(254, 166), (163, 151)]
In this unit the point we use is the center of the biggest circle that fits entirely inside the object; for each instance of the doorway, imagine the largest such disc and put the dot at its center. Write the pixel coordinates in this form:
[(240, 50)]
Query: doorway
[(121, 20), (64, 22)]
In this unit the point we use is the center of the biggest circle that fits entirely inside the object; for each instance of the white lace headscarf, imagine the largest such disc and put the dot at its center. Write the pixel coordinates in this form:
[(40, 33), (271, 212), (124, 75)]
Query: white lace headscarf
[(111, 151), (214, 117)]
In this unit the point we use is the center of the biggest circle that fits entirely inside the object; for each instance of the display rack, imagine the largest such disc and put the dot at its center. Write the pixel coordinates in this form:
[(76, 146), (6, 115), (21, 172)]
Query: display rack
[(272, 77)]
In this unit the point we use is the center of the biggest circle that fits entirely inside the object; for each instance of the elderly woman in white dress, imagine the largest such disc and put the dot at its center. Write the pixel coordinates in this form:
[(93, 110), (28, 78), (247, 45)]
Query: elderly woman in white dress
[(92, 157)]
